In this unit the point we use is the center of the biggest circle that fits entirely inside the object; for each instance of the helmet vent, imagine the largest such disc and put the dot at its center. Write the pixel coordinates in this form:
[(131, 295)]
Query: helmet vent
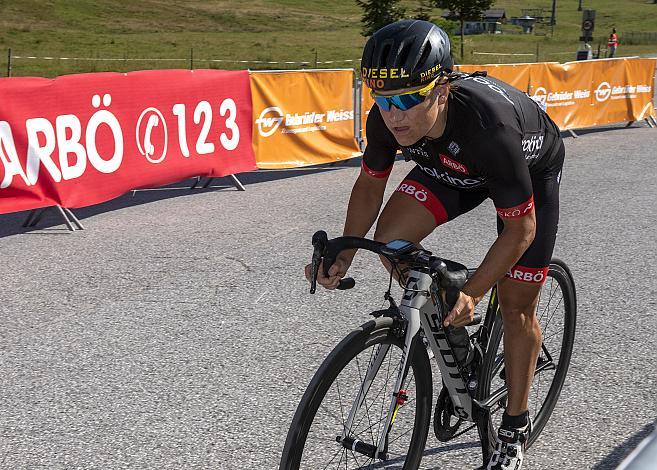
[(403, 54), (426, 52), (385, 52)]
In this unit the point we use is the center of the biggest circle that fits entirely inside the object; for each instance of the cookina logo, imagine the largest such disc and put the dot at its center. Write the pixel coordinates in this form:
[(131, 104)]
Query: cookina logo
[(603, 92), (269, 120)]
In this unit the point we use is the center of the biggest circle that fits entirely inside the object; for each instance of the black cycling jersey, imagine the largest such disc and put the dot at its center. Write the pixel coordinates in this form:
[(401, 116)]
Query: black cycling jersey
[(496, 137)]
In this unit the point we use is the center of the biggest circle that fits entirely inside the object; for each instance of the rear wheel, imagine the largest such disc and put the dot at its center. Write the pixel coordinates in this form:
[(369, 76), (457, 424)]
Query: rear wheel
[(556, 313), (313, 441)]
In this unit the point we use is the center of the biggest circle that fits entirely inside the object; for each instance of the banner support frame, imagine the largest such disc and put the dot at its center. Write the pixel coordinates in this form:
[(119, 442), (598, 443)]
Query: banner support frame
[(236, 182), (573, 134), (71, 221)]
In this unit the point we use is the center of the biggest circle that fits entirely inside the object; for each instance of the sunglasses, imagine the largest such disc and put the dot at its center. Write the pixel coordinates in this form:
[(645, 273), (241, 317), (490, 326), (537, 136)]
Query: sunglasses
[(403, 101)]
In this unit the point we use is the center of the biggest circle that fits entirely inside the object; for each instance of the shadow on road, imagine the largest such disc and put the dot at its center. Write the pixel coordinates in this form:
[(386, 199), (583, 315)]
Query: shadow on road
[(52, 222), (623, 450)]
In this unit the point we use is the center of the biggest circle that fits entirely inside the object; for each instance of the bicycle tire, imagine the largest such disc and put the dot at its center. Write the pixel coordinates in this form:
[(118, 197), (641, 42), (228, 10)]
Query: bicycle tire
[(379, 331), (559, 272)]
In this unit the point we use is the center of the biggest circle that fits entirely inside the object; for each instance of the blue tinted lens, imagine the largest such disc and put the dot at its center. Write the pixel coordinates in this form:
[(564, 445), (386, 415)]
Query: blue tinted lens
[(401, 102)]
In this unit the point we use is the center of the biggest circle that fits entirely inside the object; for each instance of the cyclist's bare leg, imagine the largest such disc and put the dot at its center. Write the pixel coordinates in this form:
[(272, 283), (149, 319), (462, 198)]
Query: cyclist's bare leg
[(522, 339), (404, 218)]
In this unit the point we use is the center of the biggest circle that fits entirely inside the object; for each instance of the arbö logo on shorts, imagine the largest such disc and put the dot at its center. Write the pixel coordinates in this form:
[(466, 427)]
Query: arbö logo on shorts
[(527, 276), (270, 119), (603, 92), (419, 194)]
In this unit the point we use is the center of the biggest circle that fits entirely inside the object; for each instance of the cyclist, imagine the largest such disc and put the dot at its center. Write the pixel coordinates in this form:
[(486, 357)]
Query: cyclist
[(472, 137)]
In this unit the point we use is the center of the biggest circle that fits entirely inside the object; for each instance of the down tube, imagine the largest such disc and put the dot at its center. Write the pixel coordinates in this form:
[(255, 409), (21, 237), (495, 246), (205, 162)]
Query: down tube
[(449, 371)]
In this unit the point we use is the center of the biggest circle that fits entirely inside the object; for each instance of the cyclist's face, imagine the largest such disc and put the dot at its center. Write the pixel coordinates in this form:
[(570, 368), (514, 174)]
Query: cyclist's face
[(411, 125)]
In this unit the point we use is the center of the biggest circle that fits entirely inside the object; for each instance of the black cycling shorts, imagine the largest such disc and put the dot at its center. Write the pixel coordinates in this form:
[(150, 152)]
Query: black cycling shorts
[(447, 203)]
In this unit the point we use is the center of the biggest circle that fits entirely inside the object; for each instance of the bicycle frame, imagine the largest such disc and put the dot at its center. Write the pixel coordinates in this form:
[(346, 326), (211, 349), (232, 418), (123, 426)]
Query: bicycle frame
[(422, 307)]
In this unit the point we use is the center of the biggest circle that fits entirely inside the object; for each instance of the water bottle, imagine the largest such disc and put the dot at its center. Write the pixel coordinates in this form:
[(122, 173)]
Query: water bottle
[(461, 344)]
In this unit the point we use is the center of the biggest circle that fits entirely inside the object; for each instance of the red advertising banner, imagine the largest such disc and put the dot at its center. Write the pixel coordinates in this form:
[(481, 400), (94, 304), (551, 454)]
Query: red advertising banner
[(79, 140)]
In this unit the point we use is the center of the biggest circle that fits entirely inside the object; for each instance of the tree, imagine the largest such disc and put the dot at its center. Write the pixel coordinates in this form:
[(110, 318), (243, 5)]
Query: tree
[(465, 10), (424, 10), (378, 13)]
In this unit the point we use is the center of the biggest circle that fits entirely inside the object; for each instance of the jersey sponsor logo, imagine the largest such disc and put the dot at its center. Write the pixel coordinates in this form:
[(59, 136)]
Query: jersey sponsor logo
[(523, 273), (446, 178), (416, 152), (517, 211), (454, 148), (531, 146), (491, 86), (454, 165)]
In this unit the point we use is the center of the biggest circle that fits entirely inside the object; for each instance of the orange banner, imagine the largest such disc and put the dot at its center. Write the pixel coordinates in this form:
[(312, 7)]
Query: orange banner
[(564, 90), (595, 92), (303, 117), (516, 75), (622, 90)]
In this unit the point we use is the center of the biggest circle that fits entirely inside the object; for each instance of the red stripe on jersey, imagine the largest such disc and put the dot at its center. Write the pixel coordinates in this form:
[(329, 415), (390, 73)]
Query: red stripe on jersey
[(520, 210), (375, 173), (425, 197), (525, 274)]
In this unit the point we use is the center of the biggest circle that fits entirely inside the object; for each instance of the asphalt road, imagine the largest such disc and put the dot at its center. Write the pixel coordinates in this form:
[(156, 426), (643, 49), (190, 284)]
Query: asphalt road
[(177, 330)]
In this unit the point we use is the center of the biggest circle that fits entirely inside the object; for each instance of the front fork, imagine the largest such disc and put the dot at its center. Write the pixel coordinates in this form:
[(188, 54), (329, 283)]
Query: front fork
[(415, 296)]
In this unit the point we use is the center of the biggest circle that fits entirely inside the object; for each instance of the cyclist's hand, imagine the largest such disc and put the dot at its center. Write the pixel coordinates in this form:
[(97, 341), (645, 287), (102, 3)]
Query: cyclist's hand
[(463, 312), (336, 272)]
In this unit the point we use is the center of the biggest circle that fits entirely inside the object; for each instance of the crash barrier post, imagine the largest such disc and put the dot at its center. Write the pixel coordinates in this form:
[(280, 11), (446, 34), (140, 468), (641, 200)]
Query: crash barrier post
[(80, 140), (303, 118)]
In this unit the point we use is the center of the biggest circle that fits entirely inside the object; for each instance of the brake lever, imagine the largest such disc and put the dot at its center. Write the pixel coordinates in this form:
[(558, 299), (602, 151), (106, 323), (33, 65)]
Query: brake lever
[(314, 268), (320, 239)]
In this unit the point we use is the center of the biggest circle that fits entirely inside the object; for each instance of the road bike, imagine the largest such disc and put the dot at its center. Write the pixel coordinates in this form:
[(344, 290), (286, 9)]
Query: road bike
[(369, 404)]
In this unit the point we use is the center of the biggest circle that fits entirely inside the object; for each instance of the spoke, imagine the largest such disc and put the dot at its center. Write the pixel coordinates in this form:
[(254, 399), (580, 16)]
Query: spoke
[(553, 334), (334, 456), (367, 408), (335, 416), (400, 436)]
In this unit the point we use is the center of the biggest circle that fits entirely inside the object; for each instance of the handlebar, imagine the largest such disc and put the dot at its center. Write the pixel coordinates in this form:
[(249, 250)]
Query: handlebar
[(451, 275)]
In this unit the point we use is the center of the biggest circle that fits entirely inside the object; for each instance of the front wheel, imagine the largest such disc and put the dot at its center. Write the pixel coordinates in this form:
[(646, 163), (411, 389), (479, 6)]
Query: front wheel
[(556, 312), (314, 439)]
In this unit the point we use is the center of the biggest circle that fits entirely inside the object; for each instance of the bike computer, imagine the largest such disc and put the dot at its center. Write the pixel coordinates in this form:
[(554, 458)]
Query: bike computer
[(397, 247)]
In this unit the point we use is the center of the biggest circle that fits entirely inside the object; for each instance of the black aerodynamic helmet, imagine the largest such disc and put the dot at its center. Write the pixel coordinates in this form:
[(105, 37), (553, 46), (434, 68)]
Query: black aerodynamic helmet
[(404, 54)]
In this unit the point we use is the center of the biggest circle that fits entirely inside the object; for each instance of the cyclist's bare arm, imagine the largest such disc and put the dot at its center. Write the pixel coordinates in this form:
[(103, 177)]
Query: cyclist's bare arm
[(364, 205)]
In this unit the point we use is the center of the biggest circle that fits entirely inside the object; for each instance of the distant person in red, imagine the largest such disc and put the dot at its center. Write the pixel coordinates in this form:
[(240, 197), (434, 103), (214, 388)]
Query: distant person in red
[(612, 43)]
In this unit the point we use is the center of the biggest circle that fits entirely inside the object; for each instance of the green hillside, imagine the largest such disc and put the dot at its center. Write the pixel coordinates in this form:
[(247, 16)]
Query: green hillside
[(179, 34)]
